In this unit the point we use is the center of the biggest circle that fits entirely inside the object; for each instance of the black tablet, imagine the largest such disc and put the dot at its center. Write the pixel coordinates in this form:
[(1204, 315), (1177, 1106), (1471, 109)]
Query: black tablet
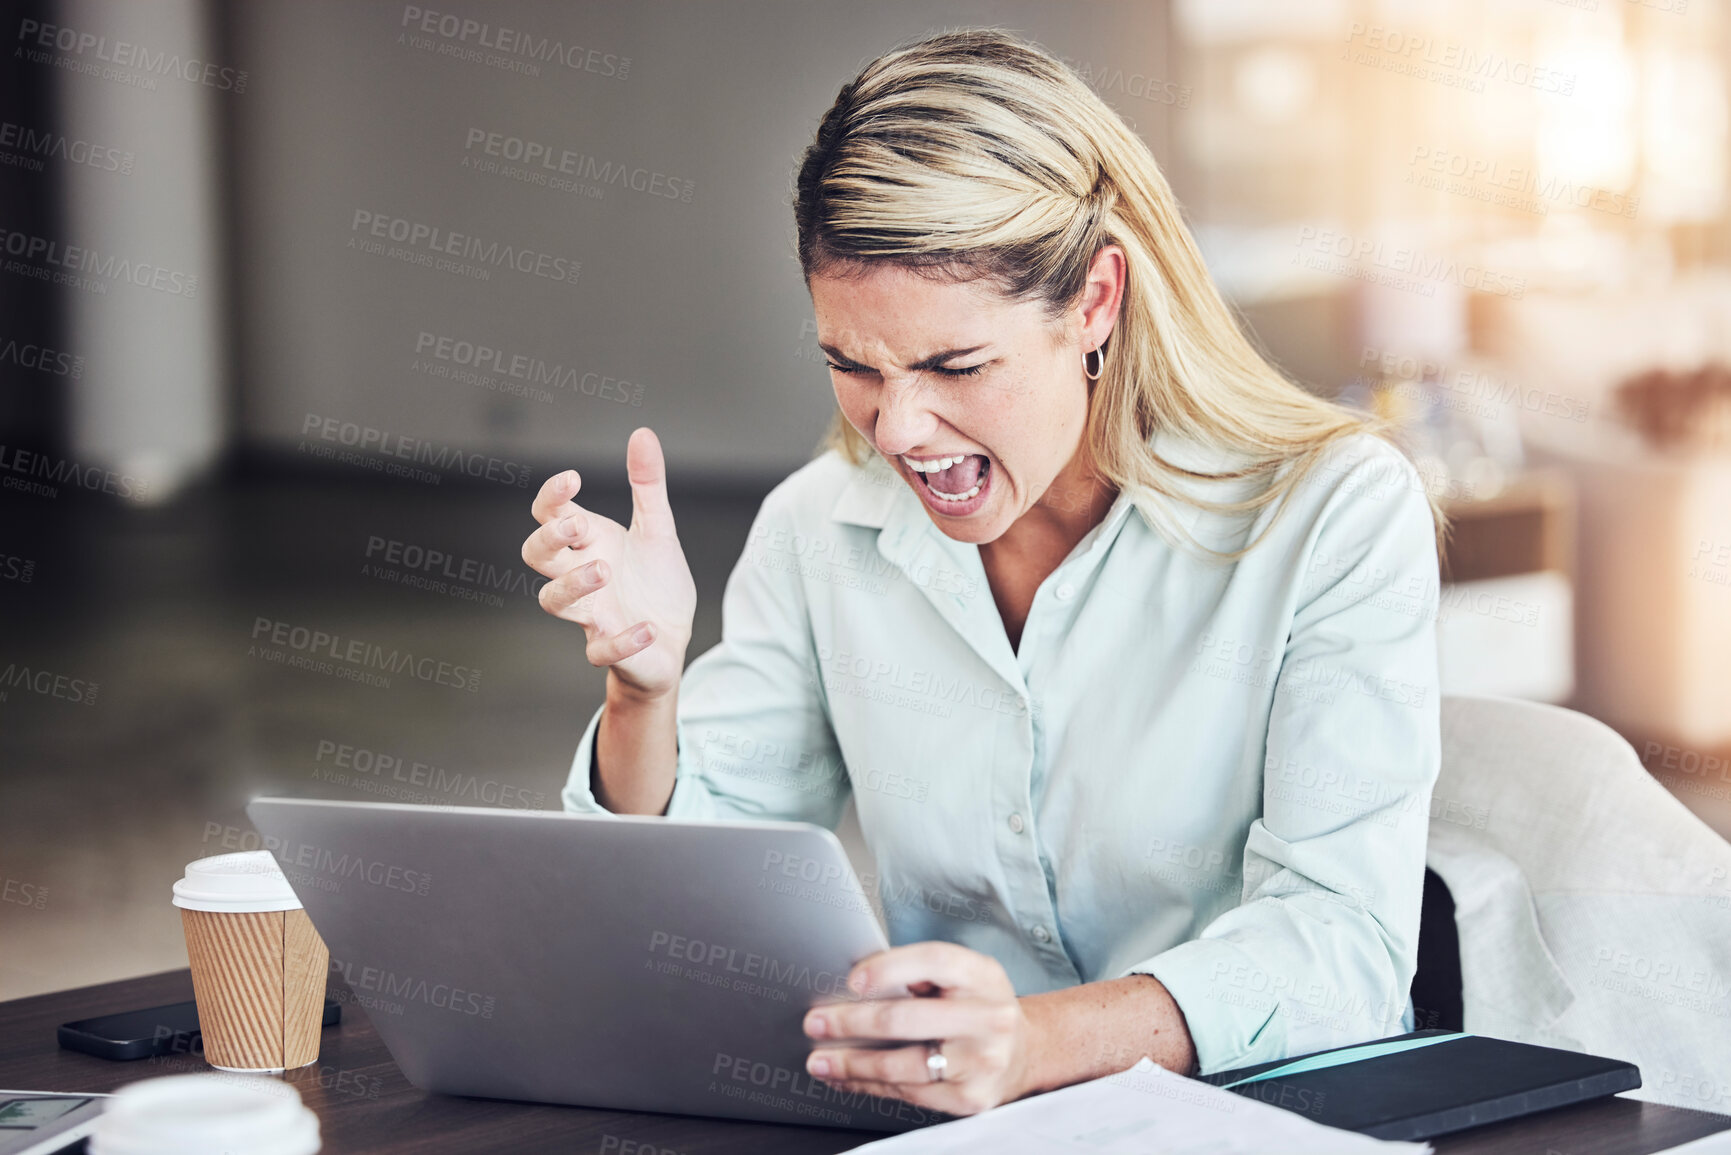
[(1428, 1083)]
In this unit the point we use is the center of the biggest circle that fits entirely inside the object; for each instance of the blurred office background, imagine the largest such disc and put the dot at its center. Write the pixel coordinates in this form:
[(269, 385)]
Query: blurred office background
[(296, 294)]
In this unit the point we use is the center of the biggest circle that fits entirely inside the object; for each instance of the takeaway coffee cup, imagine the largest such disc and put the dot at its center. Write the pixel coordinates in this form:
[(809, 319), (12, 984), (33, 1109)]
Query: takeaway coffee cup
[(258, 966), (206, 1115)]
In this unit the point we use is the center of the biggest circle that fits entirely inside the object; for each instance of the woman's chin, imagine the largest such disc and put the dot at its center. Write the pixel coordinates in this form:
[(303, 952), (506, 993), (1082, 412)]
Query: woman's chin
[(979, 528)]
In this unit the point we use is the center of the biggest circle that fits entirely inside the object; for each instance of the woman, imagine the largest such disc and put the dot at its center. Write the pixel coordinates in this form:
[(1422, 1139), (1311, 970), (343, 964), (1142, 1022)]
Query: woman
[(1120, 641)]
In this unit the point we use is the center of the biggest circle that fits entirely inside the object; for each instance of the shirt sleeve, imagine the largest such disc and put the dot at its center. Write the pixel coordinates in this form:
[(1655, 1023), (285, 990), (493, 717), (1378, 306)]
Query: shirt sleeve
[(755, 741), (1322, 948)]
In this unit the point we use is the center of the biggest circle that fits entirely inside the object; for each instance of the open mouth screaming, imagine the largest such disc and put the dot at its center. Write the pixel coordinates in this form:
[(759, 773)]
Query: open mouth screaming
[(954, 480)]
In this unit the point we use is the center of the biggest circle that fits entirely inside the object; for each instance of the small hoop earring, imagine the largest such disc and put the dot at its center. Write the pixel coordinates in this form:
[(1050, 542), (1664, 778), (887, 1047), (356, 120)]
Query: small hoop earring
[(1099, 363)]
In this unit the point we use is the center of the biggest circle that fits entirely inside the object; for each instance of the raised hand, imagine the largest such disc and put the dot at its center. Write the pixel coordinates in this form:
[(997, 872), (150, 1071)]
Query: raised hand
[(630, 589)]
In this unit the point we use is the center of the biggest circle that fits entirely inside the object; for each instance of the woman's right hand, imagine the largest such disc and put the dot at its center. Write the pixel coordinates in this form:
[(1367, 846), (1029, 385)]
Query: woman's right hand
[(630, 589)]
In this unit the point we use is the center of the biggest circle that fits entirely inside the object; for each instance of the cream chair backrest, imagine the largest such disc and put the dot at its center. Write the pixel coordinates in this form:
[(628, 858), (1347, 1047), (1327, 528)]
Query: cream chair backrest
[(1594, 909)]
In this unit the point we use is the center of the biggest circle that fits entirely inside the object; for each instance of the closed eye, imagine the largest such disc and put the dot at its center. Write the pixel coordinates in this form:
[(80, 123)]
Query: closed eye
[(968, 372)]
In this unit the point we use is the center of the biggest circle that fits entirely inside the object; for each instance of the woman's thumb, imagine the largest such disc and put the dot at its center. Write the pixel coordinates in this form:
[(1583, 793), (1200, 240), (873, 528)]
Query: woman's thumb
[(647, 471)]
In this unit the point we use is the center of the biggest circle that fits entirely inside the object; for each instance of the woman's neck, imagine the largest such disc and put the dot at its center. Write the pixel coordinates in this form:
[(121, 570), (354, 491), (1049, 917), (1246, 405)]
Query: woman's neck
[(1039, 541), (1075, 502)]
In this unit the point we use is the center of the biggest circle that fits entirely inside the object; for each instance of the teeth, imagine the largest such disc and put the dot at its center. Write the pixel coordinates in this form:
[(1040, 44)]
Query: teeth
[(935, 465)]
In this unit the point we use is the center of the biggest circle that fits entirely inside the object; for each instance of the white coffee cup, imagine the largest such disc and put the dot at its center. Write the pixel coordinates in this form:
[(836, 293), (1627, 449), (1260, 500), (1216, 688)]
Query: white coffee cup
[(206, 1115), (258, 966)]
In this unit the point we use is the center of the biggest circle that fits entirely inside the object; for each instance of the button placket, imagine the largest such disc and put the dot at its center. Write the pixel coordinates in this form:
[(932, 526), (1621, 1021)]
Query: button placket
[(1029, 895)]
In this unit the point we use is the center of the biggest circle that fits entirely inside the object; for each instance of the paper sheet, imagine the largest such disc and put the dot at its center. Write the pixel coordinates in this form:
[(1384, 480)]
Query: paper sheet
[(1140, 1111)]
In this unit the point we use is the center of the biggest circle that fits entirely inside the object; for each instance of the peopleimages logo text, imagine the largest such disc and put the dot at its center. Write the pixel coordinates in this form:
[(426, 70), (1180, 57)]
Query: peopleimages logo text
[(362, 654), (514, 42), (432, 239), (63, 471), (124, 54), (52, 145), (468, 570), (483, 358), (412, 988), (41, 358), (554, 160), (46, 253), (1420, 266), (47, 683), (418, 450)]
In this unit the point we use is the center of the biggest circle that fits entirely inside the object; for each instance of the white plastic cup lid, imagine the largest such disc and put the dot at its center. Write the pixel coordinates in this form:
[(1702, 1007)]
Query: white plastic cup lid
[(206, 1115), (248, 881)]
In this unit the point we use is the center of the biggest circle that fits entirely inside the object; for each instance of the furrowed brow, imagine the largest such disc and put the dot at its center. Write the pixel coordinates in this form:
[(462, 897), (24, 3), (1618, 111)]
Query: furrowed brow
[(935, 361)]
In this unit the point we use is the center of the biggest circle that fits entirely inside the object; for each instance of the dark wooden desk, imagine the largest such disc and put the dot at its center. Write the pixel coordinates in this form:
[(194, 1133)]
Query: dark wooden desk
[(365, 1105)]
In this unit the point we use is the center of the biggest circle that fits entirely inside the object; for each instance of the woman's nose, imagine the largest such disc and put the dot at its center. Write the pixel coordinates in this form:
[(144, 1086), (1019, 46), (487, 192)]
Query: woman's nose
[(904, 419)]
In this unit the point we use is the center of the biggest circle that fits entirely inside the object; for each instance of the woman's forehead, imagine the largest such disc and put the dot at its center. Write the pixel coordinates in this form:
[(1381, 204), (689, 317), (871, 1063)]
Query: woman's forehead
[(899, 306)]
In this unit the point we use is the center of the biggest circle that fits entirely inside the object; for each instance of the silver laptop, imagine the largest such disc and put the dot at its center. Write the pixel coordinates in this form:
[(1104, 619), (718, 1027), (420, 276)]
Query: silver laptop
[(644, 964)]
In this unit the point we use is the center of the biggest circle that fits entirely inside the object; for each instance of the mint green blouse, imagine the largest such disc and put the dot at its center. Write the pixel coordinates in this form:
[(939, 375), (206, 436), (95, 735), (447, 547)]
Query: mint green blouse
[(1214, 772)]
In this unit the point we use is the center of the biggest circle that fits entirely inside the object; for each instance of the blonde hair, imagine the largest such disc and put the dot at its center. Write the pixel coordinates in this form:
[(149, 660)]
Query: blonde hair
[(976, 155)]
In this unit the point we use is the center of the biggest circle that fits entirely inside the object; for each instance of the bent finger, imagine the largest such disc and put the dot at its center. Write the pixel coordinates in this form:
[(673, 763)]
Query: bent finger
[(547, 551), (556, 492), (912, 1018), (613, 648), (945, 965), (902, 1065), (563, 592)]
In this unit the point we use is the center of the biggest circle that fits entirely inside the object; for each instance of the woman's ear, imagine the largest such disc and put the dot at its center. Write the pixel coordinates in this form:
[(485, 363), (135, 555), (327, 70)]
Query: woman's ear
[(1103, 295)]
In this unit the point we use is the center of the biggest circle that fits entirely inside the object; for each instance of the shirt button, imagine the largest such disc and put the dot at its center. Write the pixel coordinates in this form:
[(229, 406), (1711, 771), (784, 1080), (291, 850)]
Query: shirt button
[(1041, 934), (1065, 592), (1016, 824)]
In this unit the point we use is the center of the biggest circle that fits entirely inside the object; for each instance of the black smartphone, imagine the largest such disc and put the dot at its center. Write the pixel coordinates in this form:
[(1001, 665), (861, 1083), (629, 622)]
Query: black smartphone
[(169, 1030)]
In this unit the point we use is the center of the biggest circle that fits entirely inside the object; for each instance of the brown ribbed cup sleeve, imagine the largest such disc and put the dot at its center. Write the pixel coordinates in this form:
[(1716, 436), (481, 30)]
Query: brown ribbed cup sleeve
[(259, 979)]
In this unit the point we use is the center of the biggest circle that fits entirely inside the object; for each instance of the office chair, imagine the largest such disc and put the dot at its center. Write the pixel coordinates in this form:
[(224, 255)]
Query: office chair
[(1592, 910)]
